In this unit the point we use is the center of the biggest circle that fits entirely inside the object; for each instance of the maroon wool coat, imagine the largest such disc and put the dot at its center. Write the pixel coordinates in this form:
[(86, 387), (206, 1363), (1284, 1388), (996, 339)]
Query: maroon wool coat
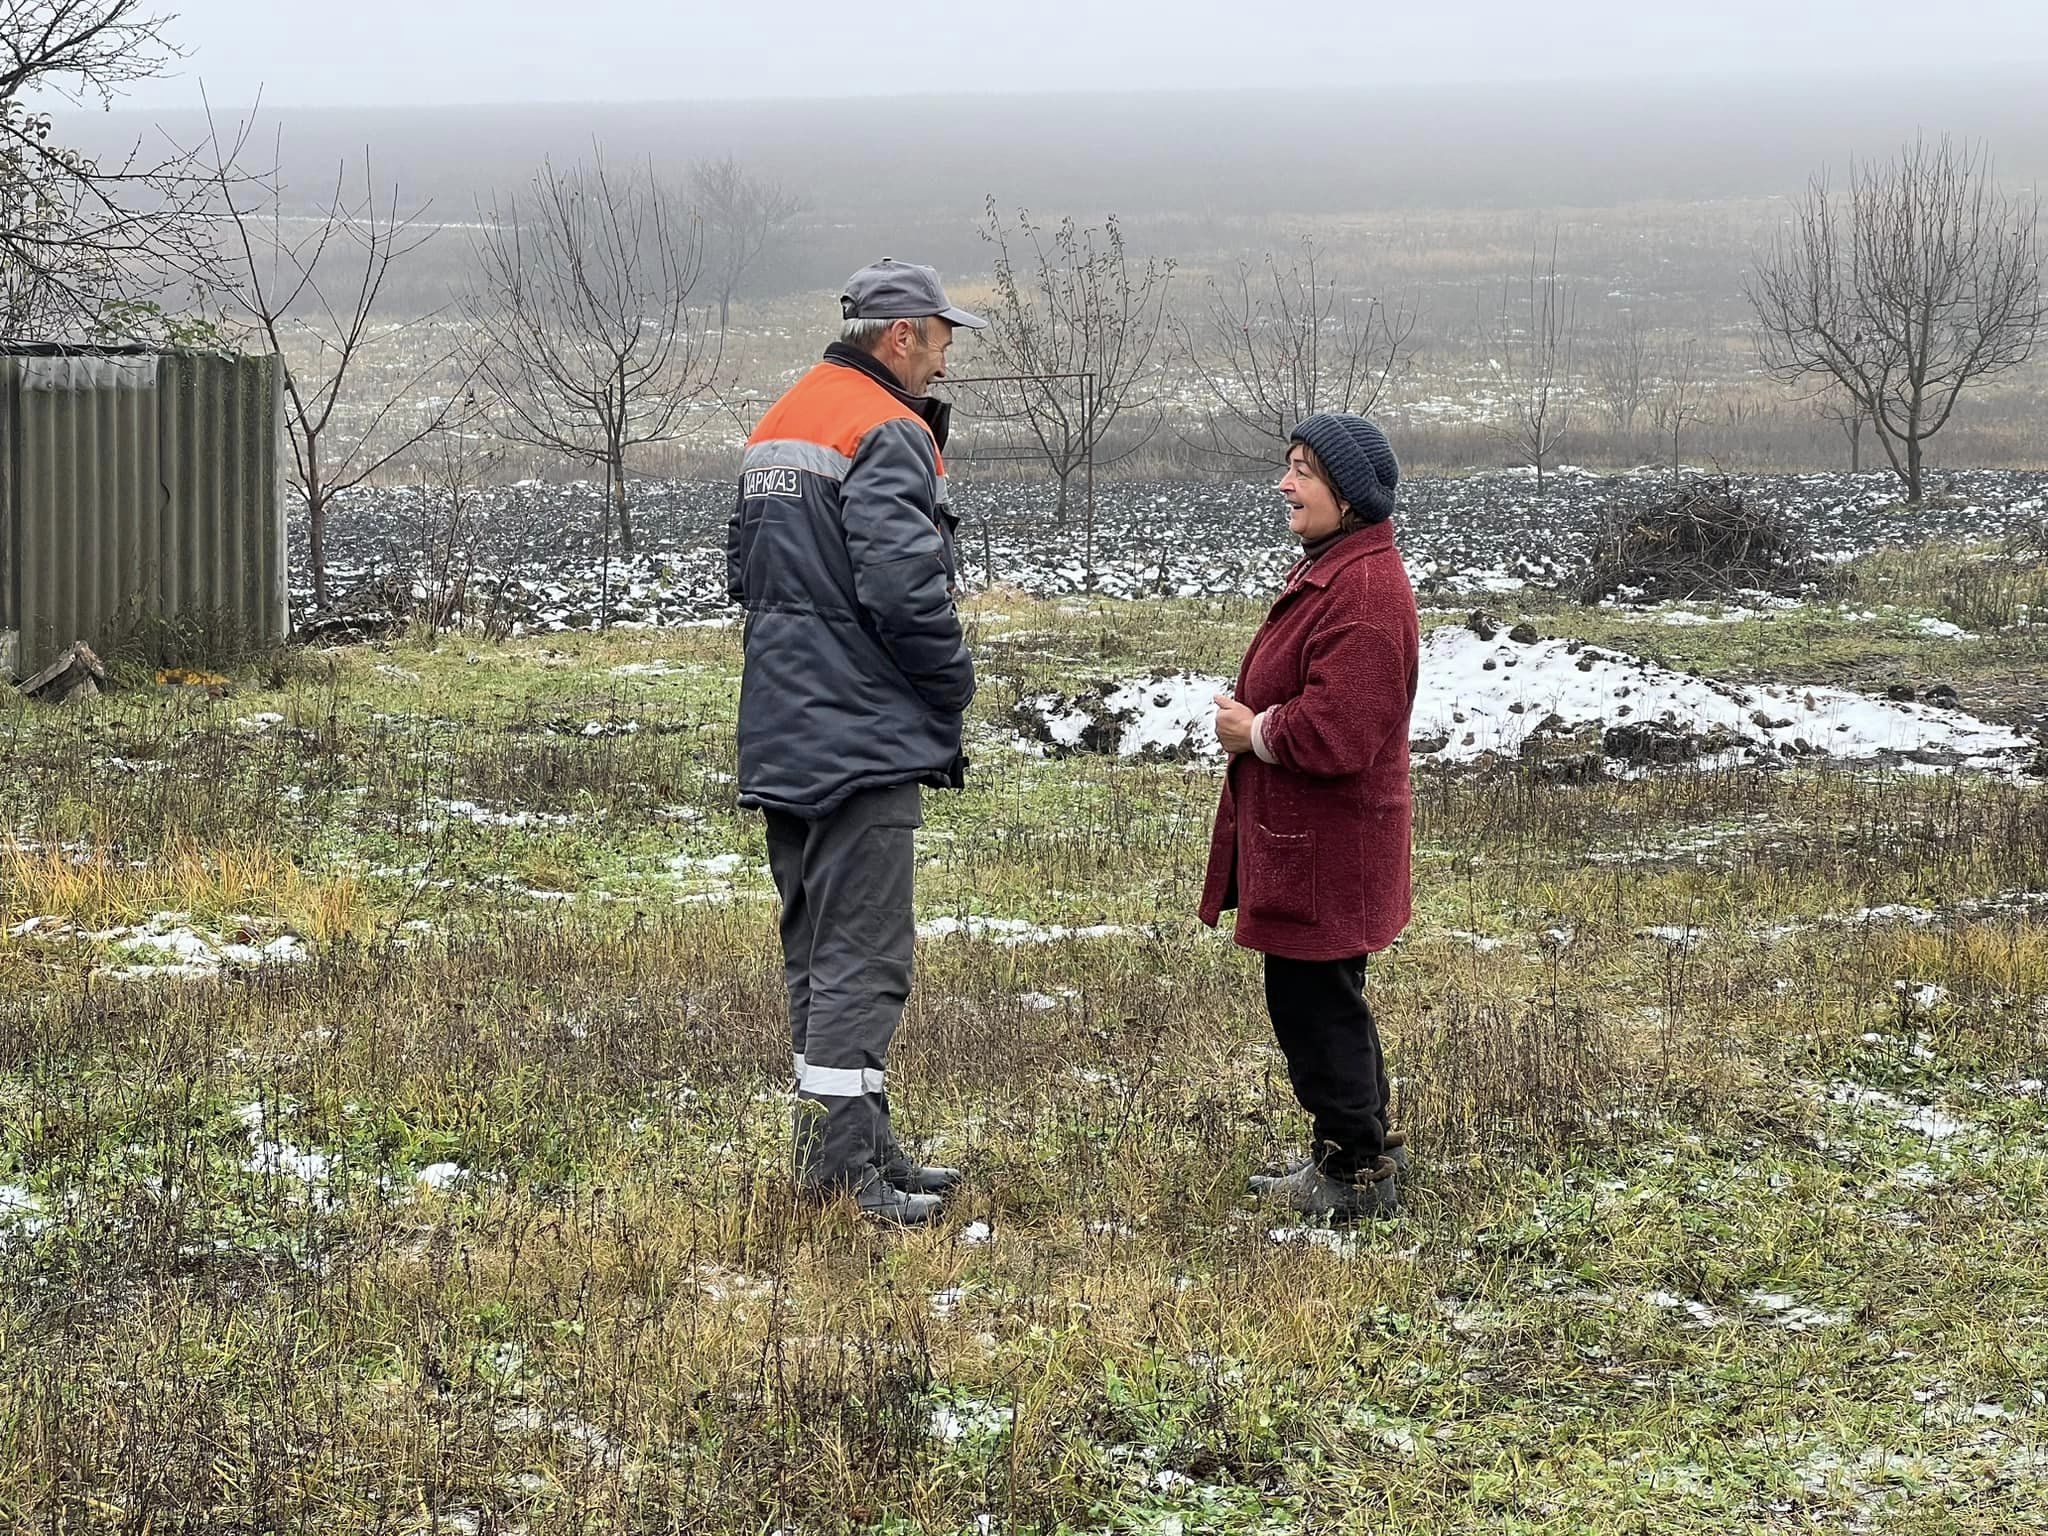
[(1313, 851)]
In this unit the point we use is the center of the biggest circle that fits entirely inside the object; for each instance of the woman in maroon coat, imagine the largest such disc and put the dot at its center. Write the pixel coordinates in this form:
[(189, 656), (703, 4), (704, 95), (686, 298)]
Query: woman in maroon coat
[(1311, 839)]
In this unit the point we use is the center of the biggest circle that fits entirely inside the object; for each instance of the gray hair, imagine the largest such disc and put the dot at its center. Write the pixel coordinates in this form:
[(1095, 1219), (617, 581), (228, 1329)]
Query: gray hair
[(865, 333)]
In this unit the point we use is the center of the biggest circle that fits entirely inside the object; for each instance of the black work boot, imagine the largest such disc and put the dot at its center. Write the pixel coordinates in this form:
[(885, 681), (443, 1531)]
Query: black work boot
[(878, 1200), (920, 1178), (1375, 1192), (1394, 1149), (909, 1175)]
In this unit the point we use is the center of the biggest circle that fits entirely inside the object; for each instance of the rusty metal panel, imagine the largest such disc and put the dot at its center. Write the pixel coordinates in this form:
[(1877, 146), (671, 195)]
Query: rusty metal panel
[(137, 487)]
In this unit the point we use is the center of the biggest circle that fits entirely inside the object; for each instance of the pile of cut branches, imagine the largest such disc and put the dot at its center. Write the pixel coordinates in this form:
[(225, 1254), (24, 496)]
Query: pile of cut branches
[(1704, 541)]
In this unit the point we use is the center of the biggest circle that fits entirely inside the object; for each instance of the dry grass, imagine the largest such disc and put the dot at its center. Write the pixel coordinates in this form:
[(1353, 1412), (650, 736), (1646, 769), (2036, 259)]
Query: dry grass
[(1636, 1024), (96, 884)]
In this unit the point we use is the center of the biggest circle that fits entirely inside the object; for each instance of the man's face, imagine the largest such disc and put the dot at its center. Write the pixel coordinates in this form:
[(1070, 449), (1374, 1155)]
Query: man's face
[(915, 360)]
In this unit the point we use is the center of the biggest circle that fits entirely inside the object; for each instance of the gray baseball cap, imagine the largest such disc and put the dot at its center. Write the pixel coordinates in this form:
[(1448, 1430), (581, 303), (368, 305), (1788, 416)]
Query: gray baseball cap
[(901, 290)]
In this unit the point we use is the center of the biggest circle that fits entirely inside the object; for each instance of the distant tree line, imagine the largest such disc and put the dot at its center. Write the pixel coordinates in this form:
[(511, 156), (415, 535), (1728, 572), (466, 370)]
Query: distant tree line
[(590, 323)]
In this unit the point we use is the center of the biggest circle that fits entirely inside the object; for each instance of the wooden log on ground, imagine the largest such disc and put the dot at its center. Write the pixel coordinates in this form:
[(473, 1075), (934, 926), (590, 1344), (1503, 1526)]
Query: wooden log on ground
[(77, 674)]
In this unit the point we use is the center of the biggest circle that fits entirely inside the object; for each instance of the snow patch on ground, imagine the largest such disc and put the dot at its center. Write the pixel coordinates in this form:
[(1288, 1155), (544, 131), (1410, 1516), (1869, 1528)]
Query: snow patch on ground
[(1344, 1244), (1168, 714), (484, 816), (968, 1418), (1479, 941), (21, 1213), (168, 947), (1934, 1123), (280, 1159), (1686, 618), (720, 864), (1894, 912), (1487, 696), (1793, 1315), (1171, 715), (1014, 930)]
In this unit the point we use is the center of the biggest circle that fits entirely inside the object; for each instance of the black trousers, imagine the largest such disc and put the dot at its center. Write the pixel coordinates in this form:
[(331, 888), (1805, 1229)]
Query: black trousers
[(1332, 1047)]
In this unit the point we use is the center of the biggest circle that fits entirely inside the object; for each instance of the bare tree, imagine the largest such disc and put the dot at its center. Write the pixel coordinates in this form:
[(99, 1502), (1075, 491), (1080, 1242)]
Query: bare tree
[(1531, 341), (451, 512), (1274, 344), (741, 213), (1622, 369), (1680, 395), (308, 288), (1924, 281), (1850, 417), (1073, 300), (581, 325), (85, 242)]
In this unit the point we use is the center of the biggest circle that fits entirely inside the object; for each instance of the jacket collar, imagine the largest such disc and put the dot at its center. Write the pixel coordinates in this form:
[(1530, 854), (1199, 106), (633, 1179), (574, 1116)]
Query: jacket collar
[(935, 413), (1372, 539)]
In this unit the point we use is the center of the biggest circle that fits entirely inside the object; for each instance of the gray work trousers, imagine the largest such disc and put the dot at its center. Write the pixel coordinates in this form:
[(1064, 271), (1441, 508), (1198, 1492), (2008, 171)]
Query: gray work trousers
[(847, 930)]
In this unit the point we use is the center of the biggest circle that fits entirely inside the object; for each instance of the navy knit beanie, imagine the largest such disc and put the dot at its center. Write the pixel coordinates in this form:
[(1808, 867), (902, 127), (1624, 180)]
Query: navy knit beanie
[(1362, 466)]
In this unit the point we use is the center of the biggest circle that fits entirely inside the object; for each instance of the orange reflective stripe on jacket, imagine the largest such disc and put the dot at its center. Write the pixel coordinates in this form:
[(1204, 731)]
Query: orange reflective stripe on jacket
[(835, 407)]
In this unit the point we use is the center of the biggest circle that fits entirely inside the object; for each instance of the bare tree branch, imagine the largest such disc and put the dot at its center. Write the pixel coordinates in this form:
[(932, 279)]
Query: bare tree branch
[(312, 295), (1531, 341), (86, 243), (1621, 369), (741, 213), (1073, 301), (451, 513), (1850, 415), (1274, 344), (1679, 396), (1923, 282), (580, 325)]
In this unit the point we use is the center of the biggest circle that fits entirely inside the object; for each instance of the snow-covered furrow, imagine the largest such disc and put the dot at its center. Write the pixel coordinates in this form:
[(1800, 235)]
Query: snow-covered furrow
[(539, 557)]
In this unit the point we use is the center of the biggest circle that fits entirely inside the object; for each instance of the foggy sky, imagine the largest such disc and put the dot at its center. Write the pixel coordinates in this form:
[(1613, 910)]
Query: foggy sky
[(419, 52)]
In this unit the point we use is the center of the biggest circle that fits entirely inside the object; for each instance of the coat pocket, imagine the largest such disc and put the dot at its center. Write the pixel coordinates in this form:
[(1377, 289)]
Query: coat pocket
[(1280, 875)]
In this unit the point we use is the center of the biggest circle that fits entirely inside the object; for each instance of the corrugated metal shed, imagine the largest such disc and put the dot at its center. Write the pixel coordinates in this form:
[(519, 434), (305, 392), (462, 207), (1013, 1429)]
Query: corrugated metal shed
[(138, 485)]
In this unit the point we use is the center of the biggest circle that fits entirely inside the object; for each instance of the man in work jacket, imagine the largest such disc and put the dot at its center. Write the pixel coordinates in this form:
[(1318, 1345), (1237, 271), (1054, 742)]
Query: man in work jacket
[(841, 550)]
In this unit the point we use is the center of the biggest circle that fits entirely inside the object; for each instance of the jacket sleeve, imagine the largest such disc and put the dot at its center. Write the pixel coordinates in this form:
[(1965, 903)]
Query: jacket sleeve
[(899, 565), (735, 562), (1359, 691)]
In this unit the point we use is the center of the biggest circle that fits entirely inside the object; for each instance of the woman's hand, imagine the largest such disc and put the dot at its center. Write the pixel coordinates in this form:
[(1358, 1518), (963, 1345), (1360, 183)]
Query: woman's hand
[(1233, 725)]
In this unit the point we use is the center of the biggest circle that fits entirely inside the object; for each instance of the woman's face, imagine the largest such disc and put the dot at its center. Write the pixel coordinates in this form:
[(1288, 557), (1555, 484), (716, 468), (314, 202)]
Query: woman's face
[(1316, 512)]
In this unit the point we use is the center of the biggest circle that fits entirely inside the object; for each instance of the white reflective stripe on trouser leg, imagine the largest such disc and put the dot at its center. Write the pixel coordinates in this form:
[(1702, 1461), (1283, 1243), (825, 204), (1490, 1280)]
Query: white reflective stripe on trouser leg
[(840, 1082), (796, 1062)]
